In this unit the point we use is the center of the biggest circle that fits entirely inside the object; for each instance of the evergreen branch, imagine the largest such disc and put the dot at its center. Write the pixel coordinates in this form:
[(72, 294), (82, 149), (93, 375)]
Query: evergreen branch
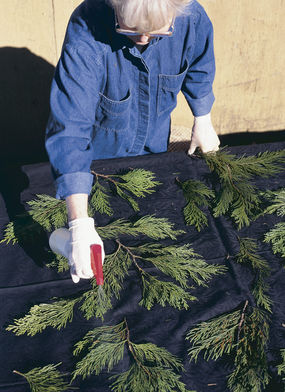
[(136, 182), (277, 202), (181, 263), (48, 212), (281, 367), (96, 302), (59, 262), (259, 293), (214, 337), (251, 368), (196, 194), (157, 291), (153, 368), (158, 356), (139, 182), (276, 237), (99, 199), (149, 225), (46, 379), (23, 228), (248, 255), (55, 315), (237, 197), (102, 354), (156, 379)]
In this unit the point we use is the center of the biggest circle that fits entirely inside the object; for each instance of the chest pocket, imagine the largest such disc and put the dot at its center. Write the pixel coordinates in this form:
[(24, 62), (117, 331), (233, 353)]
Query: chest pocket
[(168, 88), (113, 115)]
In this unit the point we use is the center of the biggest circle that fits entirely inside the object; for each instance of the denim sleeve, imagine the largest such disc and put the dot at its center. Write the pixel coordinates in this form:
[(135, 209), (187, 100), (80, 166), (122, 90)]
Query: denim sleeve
[(197, 85), (74, 95)]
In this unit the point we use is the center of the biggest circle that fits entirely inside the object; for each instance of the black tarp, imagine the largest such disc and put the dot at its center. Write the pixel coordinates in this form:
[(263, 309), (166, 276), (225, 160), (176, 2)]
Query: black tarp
[(25, 281)]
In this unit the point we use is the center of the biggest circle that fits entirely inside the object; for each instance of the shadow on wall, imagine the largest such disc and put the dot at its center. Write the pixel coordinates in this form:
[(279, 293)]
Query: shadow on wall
[(24, 106), (25, 81)]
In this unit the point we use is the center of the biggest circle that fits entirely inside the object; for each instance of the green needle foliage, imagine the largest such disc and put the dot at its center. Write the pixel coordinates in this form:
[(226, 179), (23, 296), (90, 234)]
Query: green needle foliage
[(46, 379), (152, 368), (251, 368), (197, 195), (276, 236), (215, 337), (148, 225), (248, 255), (237, 197), (55, 315), (281, 367), (277, 202), (136, 182), (244, 336), (163, 293), (45, 214)]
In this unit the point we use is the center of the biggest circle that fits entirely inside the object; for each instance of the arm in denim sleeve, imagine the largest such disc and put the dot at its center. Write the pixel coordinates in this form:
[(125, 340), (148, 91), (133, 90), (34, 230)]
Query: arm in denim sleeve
[(74, 94), (197, 85)]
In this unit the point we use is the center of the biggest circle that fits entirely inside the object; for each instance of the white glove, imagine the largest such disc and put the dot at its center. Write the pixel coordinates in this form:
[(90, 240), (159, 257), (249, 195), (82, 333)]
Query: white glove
[(82, 235), (203, 135)]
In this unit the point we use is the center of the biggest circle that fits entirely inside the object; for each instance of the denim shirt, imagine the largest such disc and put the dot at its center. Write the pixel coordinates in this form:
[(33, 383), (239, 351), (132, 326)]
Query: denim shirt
[(108, 100)]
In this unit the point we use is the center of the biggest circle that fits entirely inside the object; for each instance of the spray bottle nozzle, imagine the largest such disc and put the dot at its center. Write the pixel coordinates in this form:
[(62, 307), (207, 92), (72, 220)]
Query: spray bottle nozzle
[(96, 263)]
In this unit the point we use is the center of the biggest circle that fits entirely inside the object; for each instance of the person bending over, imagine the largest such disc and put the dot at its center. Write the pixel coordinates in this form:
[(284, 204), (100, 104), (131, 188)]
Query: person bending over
[(123, 62)]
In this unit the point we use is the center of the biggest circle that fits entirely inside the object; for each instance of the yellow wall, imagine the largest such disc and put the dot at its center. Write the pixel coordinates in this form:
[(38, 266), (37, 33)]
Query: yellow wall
[(249, 41)]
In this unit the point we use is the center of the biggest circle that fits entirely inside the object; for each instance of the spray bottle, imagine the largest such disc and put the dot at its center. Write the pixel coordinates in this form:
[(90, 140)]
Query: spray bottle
[(58, 243)]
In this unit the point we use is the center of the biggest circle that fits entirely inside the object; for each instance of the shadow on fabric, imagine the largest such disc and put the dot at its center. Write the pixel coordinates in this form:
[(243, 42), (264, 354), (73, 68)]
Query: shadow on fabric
[(25, 81)]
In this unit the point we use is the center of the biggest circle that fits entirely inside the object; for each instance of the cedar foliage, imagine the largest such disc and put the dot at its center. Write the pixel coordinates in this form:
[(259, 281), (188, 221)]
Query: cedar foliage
[(248, 255), (243, 337), (46, 379), (196, 194), (178, 263), (136, 182), (235, 194), (276, 236), (45, 213), (152, 368)]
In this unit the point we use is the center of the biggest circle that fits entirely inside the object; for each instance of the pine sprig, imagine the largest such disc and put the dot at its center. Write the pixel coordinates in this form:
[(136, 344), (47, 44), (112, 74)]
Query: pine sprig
[(148, 225), (152, 368), (46, 379), (56, 315), (136, 182), (197, 195), (237, 196)]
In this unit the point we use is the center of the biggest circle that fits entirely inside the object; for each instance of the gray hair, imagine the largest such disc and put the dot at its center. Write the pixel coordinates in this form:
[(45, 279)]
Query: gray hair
[(148, 15)]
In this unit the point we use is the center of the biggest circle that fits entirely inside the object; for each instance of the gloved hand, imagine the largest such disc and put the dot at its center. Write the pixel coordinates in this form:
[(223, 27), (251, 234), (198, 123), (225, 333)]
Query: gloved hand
[(203, 135), (82, 235)]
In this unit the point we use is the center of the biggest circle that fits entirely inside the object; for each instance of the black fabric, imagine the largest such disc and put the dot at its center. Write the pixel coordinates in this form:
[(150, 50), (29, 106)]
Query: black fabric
[(25, 281)]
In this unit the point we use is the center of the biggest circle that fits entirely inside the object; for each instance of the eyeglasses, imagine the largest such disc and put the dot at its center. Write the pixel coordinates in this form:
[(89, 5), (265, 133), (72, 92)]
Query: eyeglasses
[(154, 35)]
